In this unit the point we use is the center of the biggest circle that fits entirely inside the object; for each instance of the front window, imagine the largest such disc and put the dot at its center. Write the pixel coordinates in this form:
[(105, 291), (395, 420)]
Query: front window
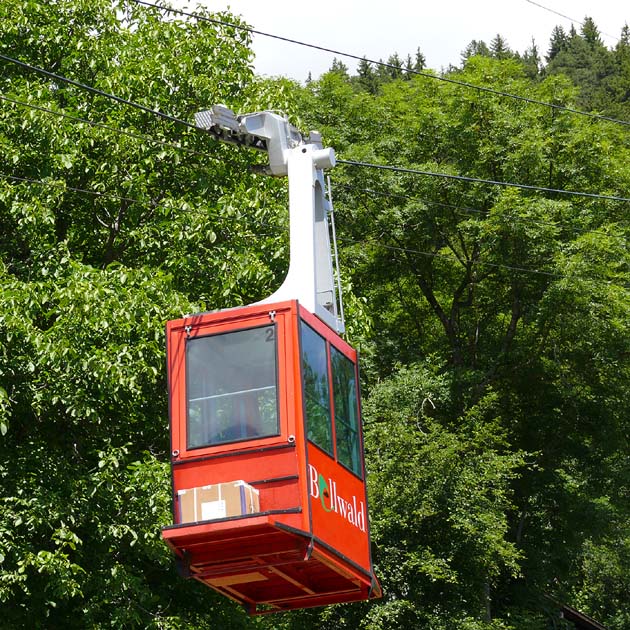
[(232, 387)]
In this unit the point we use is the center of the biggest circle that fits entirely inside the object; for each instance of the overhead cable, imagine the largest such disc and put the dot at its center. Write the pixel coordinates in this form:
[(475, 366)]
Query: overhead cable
[(93, 90), (82, 191), (29, 180), (481, 263), (567, 17), (407, 250), (383, 64), (466, 210), (339, 161), (463, 178), (115, 197), (118, 130)]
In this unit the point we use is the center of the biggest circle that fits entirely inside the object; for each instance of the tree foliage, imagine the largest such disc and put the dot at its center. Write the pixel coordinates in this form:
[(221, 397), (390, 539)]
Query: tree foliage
[(522, 299), (492, 320), (112, 221)]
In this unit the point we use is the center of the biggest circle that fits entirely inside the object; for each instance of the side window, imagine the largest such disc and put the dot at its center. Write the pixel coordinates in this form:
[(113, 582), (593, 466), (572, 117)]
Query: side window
[(316, 389), (346, 411), (231, 387)]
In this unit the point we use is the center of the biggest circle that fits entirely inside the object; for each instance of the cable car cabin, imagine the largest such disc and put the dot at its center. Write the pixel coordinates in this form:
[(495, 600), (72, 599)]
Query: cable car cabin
[(269, 493), (269, 499)]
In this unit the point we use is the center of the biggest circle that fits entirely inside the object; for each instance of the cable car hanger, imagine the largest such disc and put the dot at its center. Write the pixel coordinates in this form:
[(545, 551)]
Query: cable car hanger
[(310, 278)]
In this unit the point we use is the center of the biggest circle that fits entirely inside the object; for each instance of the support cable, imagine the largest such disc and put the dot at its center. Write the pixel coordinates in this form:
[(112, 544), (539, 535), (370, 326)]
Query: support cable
[(117, 130), (363, 242), (93, 90), (114, 197), (463, 178), (567, 17), (339, 161), (81, 191), (481, 263), (383, 64), (467, 210)]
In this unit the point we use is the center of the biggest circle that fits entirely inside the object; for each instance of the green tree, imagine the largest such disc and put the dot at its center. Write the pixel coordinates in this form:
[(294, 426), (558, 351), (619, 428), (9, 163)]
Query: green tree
[(616, 86), (420, 61), (558, 43), (366, 77), (111, 219), (339, 67), (521, 299), (395, 69), (499, 48), (532, 61), (475, 48), (440, 495), (584, 58), (590, 33), (492, 320)]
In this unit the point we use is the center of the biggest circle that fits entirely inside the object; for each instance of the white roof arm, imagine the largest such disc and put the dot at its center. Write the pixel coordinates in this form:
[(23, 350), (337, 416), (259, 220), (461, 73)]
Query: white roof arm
[(310, 277)]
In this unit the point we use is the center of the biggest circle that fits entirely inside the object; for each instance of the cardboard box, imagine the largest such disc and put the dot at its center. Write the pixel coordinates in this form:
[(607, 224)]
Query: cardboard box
[(221, 500)]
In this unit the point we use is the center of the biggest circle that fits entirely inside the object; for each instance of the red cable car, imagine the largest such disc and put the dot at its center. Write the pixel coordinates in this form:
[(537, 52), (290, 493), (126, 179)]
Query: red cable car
[(269, 496)]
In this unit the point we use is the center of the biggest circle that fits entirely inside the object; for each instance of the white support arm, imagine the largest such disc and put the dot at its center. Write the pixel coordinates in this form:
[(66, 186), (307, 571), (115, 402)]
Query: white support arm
[(310, 276)]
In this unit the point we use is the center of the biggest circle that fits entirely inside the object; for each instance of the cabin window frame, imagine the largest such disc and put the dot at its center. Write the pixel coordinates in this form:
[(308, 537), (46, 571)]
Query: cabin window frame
[(242, 439), (350, 427)]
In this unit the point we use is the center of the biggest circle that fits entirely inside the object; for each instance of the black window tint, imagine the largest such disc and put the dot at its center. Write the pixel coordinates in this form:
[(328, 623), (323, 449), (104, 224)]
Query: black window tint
[(346, 411), (316, 389), (231, 387)]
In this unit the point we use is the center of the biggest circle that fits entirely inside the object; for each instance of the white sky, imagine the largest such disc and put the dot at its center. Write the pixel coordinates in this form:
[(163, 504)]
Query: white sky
[(442, 29)]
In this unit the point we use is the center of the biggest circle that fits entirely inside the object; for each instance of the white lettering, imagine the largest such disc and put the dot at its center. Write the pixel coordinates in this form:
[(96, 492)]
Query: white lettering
[(361, 518), (348, 510), (352, 510), (333, 494), (314, 478), (341, 503)]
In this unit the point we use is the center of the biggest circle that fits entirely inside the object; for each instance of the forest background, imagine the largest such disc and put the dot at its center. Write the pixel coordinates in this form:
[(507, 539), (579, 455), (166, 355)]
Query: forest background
[(492, 318)]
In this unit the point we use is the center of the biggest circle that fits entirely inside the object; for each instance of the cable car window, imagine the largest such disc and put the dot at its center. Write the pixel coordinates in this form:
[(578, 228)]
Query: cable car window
[(232, 387), (316, 389), (346, 411)]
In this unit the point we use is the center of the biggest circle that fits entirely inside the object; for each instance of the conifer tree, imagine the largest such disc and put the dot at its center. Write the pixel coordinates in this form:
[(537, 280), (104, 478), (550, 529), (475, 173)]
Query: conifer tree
[(420, 62), (474, 49), (558, 42), (499, 48), (396, 66), (590, 33), (339, 67), (531, 60), (366, 77)]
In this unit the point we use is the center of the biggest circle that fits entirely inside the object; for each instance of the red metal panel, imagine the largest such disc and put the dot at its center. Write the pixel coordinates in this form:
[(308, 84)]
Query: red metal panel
[(337, 497), (250, 466), (268, 568), (339, 508)]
